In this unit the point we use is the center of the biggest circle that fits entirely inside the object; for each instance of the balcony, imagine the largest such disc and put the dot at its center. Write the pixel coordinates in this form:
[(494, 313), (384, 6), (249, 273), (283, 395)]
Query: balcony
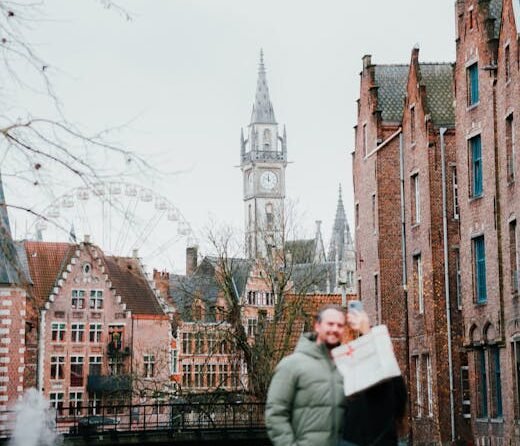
[(116, 349), (110, 383), (264, 155)]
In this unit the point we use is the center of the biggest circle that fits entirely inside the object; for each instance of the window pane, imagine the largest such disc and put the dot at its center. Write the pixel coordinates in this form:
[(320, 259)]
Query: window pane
[(476, 166), (480, 269)]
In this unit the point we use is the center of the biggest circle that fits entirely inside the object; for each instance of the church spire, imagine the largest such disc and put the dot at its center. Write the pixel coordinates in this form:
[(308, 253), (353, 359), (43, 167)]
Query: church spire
[(337, 241), (263, 111)]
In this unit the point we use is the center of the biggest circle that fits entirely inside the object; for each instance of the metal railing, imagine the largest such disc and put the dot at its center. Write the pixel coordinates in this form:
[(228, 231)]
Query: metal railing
[(171, 416), (264, 155)]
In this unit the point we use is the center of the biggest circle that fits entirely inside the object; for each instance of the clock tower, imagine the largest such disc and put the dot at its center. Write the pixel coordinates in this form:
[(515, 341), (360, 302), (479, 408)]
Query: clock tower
[(263, 159)]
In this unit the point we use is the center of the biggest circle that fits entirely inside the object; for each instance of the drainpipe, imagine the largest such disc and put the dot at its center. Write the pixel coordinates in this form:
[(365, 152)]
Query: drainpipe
[(403, 220), (498, 214), (447, 279), (404, 273), (41, 349)]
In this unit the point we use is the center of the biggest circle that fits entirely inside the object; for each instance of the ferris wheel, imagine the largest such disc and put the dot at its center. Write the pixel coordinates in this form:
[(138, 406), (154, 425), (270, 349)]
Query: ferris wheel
[(119, 217)]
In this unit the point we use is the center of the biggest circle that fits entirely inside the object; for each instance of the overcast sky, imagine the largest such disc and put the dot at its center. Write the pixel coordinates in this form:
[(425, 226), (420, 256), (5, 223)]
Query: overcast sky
[(183, 74)]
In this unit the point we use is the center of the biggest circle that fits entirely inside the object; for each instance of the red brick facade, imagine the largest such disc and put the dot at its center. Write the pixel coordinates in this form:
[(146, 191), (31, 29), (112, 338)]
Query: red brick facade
[(12, 347), (100, 326), (480, 174), (405, 152), (487, 39), (378, 214)]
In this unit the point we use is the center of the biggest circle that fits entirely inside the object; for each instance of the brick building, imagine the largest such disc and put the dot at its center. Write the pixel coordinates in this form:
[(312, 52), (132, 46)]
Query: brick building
[(103, 337), (487, 91), (405, 186), (206, 357), (13, 301), (377, 189), (432, 253)]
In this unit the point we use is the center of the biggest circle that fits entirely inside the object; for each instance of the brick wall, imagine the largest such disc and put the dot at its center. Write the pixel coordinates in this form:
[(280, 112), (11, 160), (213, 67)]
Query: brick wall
[(12, 346)]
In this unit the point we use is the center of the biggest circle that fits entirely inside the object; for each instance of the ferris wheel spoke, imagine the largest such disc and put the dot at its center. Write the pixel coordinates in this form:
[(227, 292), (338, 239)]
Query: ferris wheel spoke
[(160, 214), (128, 224), (119, 216), (148, 228), (164, 246), (123, 225)]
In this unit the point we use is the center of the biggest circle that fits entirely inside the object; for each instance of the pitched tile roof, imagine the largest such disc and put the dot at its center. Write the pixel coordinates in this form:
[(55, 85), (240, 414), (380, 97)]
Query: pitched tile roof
[(305, 307), (311, 277), (391, 83), (302, 251), (46, 261), (438, 80), (204, 285), (9, 267), (130, 283), (9, 264)]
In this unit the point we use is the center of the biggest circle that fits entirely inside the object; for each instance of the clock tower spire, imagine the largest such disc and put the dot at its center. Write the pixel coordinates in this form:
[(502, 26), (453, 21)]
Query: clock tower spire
[(263, 159)]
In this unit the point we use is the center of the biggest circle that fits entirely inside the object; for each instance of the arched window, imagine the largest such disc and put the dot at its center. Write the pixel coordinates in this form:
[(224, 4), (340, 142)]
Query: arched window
[(267, 139), (269, 213)]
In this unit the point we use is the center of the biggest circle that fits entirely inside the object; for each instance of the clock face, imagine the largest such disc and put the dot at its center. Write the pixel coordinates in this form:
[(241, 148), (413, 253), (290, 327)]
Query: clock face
[(268, 180)]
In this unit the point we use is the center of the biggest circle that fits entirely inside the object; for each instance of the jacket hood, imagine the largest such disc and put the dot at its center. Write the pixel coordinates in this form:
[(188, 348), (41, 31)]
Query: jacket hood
[(307, 345)]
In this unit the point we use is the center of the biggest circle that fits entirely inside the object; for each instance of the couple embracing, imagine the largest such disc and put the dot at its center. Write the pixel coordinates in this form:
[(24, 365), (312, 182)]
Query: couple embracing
[(306, 405)]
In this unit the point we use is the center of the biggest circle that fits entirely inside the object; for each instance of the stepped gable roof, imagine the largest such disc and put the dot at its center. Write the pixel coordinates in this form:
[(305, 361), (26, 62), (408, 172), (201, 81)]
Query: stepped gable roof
[(391, 82), (129, 282), (46, 261), (438, 80)]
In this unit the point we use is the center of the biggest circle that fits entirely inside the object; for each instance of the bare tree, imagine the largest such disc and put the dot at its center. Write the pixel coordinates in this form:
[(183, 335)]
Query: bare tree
[(41, 154), (281, 279), (45, 152)]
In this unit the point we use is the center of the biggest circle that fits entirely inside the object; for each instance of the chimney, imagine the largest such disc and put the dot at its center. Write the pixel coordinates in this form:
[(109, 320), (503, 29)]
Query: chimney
[(191, 260), (135, 253), (86, 238), (367, 61)]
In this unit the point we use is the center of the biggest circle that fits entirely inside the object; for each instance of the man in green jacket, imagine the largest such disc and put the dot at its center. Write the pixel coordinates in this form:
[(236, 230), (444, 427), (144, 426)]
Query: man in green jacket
[(305, 398)]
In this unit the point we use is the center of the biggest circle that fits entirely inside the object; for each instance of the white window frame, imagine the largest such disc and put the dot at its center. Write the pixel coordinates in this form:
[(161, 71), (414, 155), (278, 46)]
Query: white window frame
[(58, 362), (455, 191), (95, 301), (149, 365), (75, 403), (77, 332), (78, 296), (464, 370), (56, 401), (417, 198), (97, 329), (418, 385), (61, 329), (429, 382), (252, 326)]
